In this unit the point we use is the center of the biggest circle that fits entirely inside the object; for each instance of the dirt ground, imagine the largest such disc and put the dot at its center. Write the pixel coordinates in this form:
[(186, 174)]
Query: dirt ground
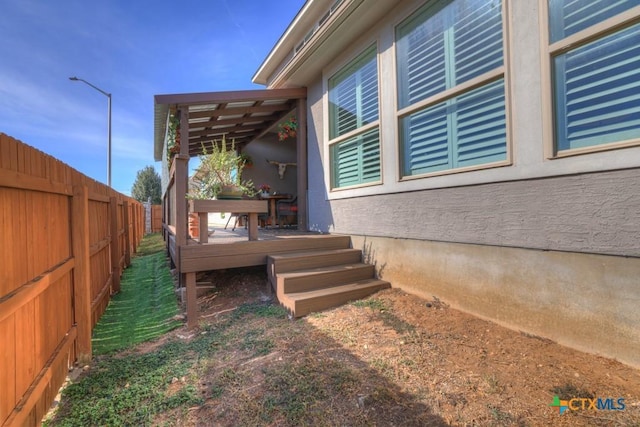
[(394, 359)]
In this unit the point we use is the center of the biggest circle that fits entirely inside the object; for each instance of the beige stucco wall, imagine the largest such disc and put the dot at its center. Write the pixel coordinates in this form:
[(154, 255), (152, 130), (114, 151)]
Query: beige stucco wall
[(588, 302)]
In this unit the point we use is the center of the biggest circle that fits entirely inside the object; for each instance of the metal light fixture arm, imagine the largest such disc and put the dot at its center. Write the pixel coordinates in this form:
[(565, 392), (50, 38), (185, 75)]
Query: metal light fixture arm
[(108, 95)]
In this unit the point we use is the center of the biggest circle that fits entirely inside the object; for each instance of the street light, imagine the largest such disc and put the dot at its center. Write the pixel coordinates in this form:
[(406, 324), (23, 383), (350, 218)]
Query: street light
[(108, 95)]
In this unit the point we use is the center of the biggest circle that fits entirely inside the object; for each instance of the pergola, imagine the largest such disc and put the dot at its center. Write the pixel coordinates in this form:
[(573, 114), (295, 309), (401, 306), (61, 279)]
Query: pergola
[(240, 116)]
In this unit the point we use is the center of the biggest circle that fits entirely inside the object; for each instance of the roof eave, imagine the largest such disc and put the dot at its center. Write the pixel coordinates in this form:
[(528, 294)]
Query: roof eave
[(160, 113), (309, 13)]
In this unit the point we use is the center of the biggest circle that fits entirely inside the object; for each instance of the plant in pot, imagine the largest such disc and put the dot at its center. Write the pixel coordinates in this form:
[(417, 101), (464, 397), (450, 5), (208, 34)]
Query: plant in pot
[(173, 139), (247, 159), (287, 129), (219, 174), (264, 190)]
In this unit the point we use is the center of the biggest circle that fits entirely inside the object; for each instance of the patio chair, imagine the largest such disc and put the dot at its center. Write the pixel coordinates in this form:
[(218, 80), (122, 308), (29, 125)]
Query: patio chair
[(243, 217), (286, 208), (237, 217)]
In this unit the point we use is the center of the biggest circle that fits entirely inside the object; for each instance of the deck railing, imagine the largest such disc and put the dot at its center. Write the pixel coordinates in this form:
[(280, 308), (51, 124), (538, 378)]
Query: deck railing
[(65, 241)]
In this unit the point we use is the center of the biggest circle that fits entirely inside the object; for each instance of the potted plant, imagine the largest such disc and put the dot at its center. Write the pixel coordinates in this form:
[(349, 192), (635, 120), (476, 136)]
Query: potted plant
[(219, 174), (264, 190), (173, 139), (287, 129), (247, 159)]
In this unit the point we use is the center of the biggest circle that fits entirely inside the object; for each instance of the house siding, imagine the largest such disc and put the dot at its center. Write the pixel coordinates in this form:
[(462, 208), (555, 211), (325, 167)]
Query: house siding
[(590, 213)]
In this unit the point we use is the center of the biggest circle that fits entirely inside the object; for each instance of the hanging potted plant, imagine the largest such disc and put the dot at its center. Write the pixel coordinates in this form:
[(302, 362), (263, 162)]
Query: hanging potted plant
[(247, 159), (287, 129), (173, 139)]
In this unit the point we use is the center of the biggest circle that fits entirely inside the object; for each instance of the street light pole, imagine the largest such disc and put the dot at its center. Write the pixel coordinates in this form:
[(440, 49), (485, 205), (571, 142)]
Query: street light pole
[(108, 95)]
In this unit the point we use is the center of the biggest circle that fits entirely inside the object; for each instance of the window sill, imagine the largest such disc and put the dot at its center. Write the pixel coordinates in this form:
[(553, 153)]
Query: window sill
[(595, 149), (499, 164)]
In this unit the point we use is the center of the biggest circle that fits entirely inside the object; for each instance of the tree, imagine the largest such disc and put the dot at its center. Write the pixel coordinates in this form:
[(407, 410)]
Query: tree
[(147, 184)]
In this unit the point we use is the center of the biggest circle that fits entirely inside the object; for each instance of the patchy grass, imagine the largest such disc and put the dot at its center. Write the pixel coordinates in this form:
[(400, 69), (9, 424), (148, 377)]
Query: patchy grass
[(372, 303), (129, 389)]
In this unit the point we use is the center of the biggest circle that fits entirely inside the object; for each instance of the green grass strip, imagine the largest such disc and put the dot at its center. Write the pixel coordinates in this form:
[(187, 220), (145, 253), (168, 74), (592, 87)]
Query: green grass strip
[(131, 389), (144, 308)]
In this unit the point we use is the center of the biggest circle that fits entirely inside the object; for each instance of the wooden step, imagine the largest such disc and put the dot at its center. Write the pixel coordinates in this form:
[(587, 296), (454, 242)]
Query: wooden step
[(322, 277), (302, 303), (284, 263)]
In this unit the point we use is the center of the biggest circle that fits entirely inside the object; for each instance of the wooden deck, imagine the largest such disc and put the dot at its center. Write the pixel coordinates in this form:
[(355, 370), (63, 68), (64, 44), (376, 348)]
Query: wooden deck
[(231, 249), (308, 271), (228, 249)]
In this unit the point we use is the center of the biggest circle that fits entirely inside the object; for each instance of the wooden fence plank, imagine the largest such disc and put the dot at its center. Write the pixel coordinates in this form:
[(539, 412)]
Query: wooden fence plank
[(7, 274), (156, 218), (21, 412), (115, 245), (31, 290), (15, 179), (8, 367), (25, 343), (82, 274), (99, 245), (127, 232)]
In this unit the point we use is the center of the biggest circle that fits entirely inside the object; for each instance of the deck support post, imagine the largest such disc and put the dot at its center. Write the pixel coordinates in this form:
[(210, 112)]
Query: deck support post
[(192, 300)]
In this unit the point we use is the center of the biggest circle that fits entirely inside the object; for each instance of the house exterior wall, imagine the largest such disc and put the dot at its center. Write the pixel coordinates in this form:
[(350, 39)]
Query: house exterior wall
[(546, 244), (589, 213)]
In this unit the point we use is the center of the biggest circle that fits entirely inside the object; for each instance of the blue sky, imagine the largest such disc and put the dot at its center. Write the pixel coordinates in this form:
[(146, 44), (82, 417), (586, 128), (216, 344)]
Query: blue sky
[(134, 49)]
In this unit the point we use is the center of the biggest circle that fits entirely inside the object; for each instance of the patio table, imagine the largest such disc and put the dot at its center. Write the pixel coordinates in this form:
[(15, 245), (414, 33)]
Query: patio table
[(272, 198)]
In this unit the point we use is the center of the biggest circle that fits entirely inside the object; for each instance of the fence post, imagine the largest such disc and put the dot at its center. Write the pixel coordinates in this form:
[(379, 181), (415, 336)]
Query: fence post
[(127, 232), (82, 271), (115, 245), (136, 227)]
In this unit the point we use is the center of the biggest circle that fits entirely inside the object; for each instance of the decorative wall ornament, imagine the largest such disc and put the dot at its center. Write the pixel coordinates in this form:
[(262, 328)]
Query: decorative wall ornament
[(282, 166)]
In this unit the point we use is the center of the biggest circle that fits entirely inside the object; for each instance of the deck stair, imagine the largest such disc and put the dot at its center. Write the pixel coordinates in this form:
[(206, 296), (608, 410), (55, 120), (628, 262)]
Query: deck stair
[(310, 281)]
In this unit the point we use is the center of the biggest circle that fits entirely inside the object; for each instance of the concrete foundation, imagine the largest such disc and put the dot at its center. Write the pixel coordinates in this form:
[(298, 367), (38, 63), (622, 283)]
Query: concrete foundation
[(584, 301)]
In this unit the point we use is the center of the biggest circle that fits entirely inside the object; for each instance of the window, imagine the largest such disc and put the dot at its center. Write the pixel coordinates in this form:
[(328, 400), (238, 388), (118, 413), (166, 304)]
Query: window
[(353, 123), (451, 91), (596, 84)]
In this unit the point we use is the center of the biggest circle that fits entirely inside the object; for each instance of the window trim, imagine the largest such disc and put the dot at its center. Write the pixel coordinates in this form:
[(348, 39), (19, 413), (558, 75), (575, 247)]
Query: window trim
[(549, 51), (484, 79), (374, 46)]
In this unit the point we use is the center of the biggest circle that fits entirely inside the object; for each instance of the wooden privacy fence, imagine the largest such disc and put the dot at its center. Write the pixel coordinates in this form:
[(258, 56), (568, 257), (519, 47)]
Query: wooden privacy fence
[(65, 240), (156, 218)]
